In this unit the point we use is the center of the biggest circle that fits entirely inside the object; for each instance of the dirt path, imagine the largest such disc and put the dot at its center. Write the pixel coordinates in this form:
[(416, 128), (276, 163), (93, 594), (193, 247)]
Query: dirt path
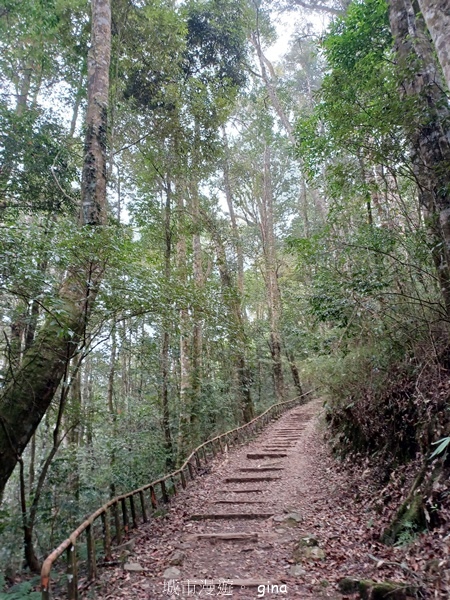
[(273, 519)]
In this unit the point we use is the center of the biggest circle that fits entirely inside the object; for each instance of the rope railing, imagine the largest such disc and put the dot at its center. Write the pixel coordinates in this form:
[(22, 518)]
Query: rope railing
[(122, 513)]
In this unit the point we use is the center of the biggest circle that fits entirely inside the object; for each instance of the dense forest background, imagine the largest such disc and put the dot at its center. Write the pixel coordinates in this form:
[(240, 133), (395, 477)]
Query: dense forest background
[(244, 229)]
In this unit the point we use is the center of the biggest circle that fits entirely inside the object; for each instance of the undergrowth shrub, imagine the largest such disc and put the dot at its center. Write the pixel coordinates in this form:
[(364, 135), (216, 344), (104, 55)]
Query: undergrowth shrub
[(384, 404)]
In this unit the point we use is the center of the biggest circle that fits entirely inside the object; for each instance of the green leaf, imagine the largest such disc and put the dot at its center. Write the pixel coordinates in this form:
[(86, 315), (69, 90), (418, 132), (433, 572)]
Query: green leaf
[(442, 446)]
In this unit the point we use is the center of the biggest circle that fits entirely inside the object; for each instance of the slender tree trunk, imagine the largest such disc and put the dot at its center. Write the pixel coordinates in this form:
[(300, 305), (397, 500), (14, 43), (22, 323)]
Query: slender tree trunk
[(77, 104), (303, 206), (25, 399), (32, 469), (31, 559), (123, 354), (197, 328), (237, 241), (232, 298), (73, 439), (165, 343), (294, 372), (185, 335), (271, 278), (112, 410), (265, 66), (368, 198)]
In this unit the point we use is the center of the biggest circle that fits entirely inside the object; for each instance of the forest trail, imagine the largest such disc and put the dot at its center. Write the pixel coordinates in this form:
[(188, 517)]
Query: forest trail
[(273, 518)]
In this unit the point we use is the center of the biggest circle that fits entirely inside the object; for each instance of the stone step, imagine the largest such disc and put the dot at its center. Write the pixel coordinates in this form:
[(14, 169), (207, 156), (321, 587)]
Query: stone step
[(294, 428), (229, 516), (277, 444), (265, 454), (290, 432), (260, 469), (250, 479), (239, 502), (248, 537), (254, 491)]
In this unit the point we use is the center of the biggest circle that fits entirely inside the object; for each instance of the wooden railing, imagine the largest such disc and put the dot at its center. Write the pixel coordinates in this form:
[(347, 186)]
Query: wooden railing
[(125, 511)]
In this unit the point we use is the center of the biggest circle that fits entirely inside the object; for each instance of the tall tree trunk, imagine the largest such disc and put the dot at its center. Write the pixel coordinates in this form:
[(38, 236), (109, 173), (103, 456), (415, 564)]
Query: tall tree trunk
[(232, 291), (269, 81), (185, 363), (31, 559), (437, 17), (271, 277), (232, 298), (25, 400), (429, 133), (112, 410), (237, 241), (22, 96), (165, 342), (73, 439), (197, 328)]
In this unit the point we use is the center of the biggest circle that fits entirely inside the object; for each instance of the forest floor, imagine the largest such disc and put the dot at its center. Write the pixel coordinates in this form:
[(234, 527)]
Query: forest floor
[(296, 525)]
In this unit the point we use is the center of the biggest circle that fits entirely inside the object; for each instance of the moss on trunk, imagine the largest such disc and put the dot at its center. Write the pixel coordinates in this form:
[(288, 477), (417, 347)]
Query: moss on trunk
[(374, 590)]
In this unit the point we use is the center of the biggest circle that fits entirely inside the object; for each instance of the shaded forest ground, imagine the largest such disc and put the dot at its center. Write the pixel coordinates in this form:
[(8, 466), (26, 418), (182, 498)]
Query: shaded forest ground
[(340, 505)]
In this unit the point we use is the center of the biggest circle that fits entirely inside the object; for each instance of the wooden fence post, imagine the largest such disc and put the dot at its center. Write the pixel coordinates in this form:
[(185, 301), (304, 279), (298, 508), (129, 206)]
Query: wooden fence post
[(117, 523), (164, 492), (72, 573), (143, 509), (133, 513), (183, 479), (106, 533), (124, 515), (91, 558), (197, 461), (153, 498)]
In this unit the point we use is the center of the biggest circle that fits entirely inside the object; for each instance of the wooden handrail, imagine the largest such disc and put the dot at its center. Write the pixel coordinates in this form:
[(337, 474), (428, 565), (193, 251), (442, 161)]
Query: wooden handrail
[(186, 472)]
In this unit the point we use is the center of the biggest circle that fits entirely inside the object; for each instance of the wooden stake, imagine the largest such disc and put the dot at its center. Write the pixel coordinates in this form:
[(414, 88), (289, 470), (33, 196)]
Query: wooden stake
[(143, 509), (72, 573), (91, 558)]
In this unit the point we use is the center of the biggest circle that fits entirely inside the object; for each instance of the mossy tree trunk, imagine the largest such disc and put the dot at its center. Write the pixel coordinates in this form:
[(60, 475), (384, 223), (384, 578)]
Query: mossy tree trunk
[(421, 83), (28, 395), (437, 18)]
